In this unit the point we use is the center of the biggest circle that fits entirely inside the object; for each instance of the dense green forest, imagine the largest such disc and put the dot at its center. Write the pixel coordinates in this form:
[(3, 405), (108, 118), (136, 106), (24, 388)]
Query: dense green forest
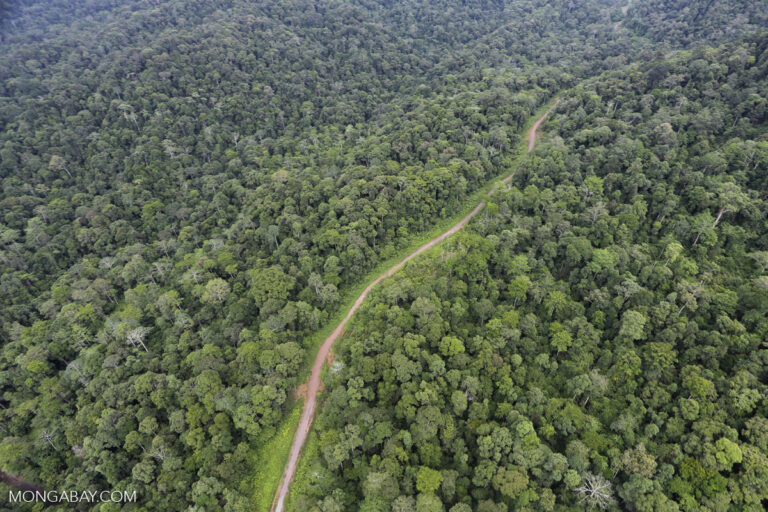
[(597, 338), (189, 188)]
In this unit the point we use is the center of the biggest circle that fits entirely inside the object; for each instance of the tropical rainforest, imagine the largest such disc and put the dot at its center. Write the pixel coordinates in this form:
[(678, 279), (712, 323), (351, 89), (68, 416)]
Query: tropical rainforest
[(192, 189)]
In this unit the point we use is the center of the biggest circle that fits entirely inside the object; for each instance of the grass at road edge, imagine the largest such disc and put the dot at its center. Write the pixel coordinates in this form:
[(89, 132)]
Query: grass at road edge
[(269, 461), (416, 240), (309, 455)]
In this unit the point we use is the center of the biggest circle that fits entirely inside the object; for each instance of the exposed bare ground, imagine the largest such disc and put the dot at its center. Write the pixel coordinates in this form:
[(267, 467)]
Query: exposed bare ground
[(309, 390), (531, 135), (300, 392)]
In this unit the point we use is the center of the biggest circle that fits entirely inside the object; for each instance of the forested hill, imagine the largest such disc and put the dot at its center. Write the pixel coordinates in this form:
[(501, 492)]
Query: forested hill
[(597, 339), (112, 102), (188, 188), (679, 22)]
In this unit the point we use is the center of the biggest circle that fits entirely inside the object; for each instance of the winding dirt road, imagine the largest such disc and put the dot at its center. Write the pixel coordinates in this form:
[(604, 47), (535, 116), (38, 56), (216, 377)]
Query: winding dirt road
[(313, 386), (531, 135)]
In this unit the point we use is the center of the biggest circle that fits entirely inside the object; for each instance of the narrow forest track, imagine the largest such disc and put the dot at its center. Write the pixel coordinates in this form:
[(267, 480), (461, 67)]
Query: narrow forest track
[(314, 383)]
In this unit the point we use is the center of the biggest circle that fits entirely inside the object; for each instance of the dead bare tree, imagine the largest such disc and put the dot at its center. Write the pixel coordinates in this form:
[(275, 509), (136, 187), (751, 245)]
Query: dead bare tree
[(158, 453), (596, 491), (136, 337), (48, 436)]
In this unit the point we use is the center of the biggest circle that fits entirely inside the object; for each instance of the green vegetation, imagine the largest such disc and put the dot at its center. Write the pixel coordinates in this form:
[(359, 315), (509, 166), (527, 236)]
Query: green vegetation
[(268, 460), (413, 242), (307, 465), (597, 341), (193, 193), (353, 293), (696, 23)]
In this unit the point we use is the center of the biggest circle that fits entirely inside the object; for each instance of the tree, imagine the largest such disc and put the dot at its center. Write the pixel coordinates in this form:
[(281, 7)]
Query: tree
[(216, 291), (556, 303), (728, 453), (595, 491), (518, 289), (639, 461), (451, 346), (561, 339), (271, 284), (632, 325), (761, 259), (429, 503), (672, 251), (428, 480), (510, 481), (58, 164), (136, 337), (730, 198)]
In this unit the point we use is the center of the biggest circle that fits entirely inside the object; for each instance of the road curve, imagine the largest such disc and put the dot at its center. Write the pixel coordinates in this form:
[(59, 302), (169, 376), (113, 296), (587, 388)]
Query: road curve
[(531, 135), (313, 386)]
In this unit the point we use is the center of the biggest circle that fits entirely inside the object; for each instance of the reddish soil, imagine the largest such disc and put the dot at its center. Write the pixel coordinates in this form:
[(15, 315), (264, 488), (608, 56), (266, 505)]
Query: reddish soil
[(531, 135), (300, 392), (314, 384)]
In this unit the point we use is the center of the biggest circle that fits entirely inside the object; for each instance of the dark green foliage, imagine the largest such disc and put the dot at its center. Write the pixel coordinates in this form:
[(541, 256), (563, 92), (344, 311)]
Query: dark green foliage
[(188, 188), (694, 22), (629, 372)]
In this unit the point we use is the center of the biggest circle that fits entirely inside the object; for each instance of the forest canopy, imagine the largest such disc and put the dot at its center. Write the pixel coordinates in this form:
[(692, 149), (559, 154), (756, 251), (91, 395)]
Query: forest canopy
[(190, 191), (598, 340)]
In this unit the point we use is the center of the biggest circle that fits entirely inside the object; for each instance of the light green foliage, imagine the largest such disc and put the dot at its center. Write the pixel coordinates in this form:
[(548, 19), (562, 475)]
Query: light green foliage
[(428, 480), (606, 361), (728, 453), (451, 346), (216, 291), (510, 481), (191, 191), (632, 325)]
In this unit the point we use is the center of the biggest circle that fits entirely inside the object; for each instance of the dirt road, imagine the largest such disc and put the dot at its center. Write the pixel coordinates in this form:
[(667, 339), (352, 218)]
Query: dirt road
[(531, 135), (313, 386)]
